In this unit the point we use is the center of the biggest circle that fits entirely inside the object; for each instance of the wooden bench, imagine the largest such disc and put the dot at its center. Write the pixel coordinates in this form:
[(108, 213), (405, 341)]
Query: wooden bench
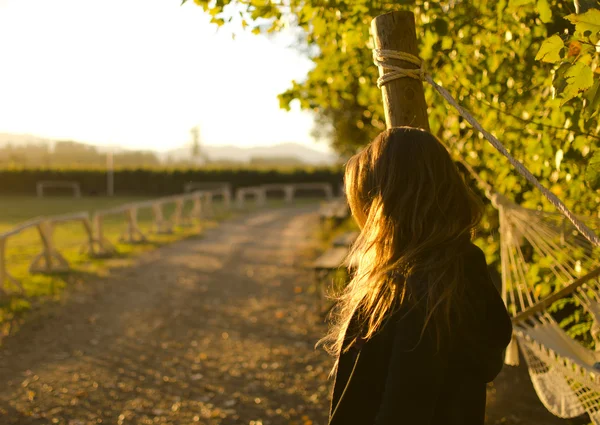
[(330, 261)]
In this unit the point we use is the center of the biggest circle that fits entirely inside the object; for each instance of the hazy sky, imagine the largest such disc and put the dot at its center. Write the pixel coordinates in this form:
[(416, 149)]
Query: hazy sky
[(140, 74)]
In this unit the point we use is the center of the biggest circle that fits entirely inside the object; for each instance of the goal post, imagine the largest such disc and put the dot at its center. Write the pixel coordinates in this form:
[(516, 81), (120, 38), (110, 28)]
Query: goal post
[(41, 187)]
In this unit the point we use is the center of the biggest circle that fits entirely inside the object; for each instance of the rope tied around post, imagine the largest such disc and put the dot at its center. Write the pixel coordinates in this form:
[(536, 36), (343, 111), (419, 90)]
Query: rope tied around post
[(381, 58)]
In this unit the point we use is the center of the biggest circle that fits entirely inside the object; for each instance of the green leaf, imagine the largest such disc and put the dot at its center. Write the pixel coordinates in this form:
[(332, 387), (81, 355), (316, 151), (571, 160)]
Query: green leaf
[(500, 6), (592, 171), (593, 99), (219, 21), (587, 23), (550, 50), (545, 12), (441, 26), (519, 3), (558, 82), (579, 78)]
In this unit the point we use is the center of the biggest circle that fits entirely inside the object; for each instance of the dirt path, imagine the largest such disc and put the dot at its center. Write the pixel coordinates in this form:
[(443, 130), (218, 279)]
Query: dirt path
[(218, 330)]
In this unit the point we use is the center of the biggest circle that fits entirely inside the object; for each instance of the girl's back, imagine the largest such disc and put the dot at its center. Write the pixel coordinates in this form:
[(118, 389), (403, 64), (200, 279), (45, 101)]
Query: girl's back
[(420, 328), (403, 373)]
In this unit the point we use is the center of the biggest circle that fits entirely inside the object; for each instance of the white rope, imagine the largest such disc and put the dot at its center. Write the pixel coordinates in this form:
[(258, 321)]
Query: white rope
[(381, 58)]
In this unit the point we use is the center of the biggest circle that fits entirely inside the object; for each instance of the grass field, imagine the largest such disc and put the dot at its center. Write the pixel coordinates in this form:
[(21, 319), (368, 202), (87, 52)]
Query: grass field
[(71, 241)]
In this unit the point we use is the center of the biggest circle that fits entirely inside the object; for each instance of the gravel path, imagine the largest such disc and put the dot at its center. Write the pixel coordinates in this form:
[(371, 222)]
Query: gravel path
[(214, 330), (217, 330)]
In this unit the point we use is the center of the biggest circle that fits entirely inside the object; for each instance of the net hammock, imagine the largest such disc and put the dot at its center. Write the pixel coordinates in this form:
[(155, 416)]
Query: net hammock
[(550, 270)]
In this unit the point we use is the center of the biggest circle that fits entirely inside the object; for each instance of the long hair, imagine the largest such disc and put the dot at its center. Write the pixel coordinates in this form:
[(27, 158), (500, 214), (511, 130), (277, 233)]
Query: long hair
[(416, 214)]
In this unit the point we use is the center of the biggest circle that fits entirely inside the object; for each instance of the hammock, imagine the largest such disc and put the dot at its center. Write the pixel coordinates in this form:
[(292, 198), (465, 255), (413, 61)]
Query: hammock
[(541, 252), (544, 252), (546, 258)]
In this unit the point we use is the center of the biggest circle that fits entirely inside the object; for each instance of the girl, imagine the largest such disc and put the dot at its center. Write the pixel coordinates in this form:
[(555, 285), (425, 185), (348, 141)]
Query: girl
[(420, 329)]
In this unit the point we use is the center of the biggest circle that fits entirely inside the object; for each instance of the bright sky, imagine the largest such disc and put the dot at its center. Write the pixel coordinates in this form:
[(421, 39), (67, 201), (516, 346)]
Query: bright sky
[(141, 74)]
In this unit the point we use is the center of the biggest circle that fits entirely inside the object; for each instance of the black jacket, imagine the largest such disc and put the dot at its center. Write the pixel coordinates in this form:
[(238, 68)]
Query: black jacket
[(402, 378)]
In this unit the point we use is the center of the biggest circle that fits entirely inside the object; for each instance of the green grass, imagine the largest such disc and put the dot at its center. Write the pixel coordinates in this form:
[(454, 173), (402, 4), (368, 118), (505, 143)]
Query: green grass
[(70, 240), (16, 209)]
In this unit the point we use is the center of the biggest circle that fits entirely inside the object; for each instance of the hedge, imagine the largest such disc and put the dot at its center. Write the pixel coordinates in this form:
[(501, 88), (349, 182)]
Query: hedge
[(150, 182)]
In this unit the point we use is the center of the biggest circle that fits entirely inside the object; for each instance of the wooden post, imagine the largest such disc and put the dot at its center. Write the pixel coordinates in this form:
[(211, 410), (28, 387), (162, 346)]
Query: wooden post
[(263, 197), (289, 190), (178, 213), (227, 198), (208, 204), (87, 226), (4, 276), (328, 191), (404, 98), (133, 234), (239, 198), (49, 260), (196, 212), (45, 231)]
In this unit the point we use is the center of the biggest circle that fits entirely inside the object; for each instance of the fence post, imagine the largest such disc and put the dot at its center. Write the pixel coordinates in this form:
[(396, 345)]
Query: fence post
[(177, 214), (328, 191), (3, 272), (262, 197), (208, 202), (87, 225), (49, 254), (130, 224), (196, 211), (289, 193), (105, 247), (5, 276), (239, 198), (161, 225), (227, 198), (133, 232)]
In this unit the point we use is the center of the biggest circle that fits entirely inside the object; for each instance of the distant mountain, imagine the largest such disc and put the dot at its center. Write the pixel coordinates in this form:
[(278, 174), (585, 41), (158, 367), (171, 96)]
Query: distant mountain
[(230, 153), (21, 139), (238, 154)]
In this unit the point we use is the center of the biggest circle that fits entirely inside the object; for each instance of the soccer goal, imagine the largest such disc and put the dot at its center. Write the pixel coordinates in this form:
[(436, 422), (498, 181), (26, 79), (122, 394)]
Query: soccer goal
[(72, 186)]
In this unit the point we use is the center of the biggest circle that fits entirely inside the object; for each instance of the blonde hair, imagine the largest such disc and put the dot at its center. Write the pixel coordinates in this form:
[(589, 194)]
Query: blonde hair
[(416, 214)]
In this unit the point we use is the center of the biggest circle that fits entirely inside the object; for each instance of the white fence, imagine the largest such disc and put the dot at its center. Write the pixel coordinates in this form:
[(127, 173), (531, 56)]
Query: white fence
[(289, 191), (189, 209), (222, 189), (50, 260), (258, 193)]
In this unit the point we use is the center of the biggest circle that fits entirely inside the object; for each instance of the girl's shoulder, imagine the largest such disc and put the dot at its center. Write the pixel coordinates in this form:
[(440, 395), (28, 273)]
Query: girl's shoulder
[(474, 260), (472, 250)]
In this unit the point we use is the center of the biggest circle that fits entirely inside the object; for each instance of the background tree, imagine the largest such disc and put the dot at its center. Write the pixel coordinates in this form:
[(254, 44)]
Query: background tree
[(488, 53)]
